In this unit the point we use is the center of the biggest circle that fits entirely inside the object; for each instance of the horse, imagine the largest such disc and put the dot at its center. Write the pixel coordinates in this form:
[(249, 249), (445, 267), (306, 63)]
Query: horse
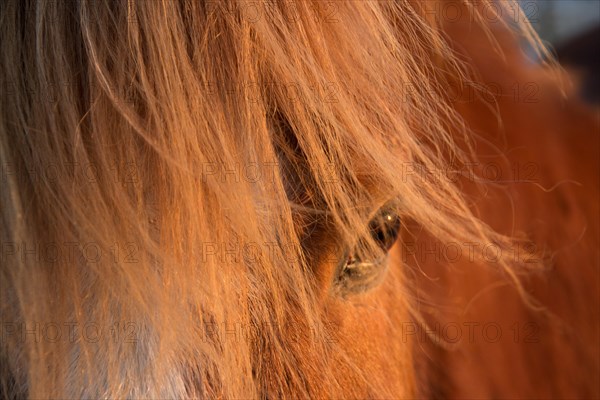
[(233, 199)]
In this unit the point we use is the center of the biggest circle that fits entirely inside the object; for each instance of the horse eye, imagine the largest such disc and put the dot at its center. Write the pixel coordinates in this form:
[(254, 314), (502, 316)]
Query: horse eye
[(359, 275), (385, 228)]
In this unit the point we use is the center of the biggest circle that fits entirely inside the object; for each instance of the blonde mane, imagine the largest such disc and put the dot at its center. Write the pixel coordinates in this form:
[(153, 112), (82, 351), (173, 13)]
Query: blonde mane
[(175, 171)]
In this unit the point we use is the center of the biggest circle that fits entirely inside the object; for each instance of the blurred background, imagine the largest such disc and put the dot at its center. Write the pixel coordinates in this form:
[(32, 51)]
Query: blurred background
[(572, 28), (559, 20)]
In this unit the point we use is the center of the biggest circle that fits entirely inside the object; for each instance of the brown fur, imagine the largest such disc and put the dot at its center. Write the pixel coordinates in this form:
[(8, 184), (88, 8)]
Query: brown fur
[(150, 93), (547, 146)]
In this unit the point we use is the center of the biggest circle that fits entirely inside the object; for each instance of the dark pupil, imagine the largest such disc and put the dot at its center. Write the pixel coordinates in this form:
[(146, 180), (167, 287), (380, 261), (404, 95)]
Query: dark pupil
[(385, 229)]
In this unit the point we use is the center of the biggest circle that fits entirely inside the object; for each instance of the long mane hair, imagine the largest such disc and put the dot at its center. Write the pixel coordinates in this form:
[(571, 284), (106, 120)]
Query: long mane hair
[(167, 166)]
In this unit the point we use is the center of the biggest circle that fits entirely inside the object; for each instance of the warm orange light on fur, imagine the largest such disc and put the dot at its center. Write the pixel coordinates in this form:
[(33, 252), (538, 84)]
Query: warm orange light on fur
[(178, 178)]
